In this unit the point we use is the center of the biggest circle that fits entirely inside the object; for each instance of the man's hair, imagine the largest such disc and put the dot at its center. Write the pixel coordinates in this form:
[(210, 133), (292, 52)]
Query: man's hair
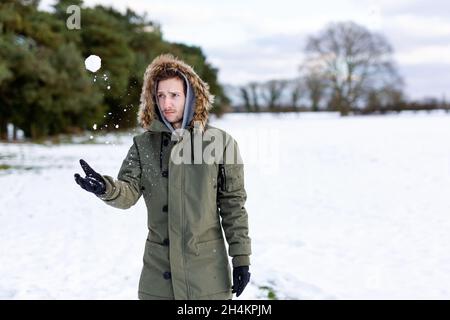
[(169, 74)]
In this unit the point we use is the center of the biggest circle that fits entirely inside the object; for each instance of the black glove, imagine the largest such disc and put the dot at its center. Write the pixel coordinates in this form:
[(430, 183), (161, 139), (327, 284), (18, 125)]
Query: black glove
[(241, 277), (93, 182)]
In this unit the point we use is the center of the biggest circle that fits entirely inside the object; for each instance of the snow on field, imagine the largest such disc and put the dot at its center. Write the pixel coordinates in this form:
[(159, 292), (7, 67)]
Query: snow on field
[(339, 208)]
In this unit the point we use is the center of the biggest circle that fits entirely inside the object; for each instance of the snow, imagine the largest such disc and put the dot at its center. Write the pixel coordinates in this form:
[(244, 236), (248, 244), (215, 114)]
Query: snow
[(93, 63), (346, 208)]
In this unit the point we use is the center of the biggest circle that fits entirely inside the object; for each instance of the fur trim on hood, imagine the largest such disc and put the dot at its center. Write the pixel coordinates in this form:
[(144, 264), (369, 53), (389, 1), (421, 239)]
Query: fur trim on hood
[(148, 108)]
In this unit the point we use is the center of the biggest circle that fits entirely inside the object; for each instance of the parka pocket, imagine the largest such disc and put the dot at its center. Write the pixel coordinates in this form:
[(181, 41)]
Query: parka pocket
[(156, 265), (158, 254), (205, 248), (209, 270), (231, 177)]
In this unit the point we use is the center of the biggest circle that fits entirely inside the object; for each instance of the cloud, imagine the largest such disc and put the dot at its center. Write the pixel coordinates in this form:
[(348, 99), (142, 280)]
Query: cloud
[(420, 26), (423, 55), (265, 58), (430, 79)]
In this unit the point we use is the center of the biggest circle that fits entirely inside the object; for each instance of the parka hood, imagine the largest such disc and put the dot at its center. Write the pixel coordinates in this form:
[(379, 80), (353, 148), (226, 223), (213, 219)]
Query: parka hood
[(198, 96)]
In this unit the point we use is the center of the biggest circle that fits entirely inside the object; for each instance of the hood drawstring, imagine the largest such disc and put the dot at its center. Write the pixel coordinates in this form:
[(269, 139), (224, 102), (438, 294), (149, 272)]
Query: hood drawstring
[(192, 148)]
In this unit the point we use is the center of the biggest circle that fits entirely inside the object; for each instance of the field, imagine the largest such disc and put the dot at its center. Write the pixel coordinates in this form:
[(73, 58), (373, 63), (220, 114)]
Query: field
[(339, 208)]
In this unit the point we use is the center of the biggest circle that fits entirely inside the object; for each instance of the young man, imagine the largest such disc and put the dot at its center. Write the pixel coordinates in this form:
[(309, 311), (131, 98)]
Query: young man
[(188, 202)]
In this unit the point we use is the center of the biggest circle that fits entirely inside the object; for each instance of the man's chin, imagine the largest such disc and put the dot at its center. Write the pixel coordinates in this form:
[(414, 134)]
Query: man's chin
[(172, 120)]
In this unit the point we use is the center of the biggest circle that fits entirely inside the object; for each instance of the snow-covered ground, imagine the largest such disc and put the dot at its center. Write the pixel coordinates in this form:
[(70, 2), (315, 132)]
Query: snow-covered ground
[(339, 208)]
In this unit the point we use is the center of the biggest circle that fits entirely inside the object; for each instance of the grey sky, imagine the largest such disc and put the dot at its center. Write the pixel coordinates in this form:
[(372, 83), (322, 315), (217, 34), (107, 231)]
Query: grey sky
[(259, 39)]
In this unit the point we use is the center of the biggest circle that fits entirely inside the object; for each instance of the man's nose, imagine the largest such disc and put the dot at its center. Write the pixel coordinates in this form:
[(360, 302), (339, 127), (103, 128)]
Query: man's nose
[(167, 102)]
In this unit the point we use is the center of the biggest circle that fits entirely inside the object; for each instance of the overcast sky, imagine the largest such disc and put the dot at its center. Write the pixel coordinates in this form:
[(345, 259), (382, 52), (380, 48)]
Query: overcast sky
[(260, 40)]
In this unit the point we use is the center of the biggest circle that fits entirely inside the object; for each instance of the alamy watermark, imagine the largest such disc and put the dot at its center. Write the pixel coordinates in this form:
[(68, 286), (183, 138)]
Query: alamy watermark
[(260, 146), (73, 22)]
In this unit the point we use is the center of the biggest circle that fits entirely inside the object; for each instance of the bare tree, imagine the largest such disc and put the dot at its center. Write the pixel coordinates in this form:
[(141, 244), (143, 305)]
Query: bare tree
[(245, 96), (296, 92), (272, 91), (254, 86), (315, 83), (353, 61), (383, 100), (373, 103), (392, 98), (249, 94)]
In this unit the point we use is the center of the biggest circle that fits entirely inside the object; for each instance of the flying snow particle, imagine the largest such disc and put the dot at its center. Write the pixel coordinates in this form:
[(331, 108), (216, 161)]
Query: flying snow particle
[(117, 126), (108, 87), (93, 63), (94, 126)]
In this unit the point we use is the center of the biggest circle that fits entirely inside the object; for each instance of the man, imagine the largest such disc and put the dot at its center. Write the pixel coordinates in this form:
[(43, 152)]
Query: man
[(188, 202)]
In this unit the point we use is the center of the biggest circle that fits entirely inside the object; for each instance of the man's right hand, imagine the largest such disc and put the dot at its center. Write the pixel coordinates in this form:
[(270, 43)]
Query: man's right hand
[(93, 182)]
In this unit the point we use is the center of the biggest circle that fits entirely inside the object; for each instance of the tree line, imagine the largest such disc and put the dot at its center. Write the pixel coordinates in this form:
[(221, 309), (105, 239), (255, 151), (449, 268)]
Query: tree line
[(45, 88)]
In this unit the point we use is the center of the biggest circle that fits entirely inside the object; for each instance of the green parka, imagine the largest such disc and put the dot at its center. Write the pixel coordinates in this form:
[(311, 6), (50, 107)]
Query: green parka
[(188, 203)]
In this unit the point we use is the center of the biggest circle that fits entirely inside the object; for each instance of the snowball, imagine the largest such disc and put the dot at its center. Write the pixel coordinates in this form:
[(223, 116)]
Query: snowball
[(93, 63)]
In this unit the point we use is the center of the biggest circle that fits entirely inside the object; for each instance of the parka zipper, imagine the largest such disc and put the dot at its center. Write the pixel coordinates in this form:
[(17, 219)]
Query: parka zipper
[(183, 234), (161, 152)]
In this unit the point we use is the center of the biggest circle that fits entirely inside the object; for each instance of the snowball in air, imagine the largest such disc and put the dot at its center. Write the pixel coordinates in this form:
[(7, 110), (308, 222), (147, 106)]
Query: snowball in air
[(93, 63)]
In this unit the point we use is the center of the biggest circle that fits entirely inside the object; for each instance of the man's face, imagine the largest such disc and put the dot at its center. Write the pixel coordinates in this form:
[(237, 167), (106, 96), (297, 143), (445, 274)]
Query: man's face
[(171, 100)]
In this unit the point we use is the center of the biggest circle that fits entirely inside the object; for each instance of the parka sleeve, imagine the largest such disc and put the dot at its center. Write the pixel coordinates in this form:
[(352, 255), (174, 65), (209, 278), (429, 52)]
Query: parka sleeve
[(231, 199), (125, 191)]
